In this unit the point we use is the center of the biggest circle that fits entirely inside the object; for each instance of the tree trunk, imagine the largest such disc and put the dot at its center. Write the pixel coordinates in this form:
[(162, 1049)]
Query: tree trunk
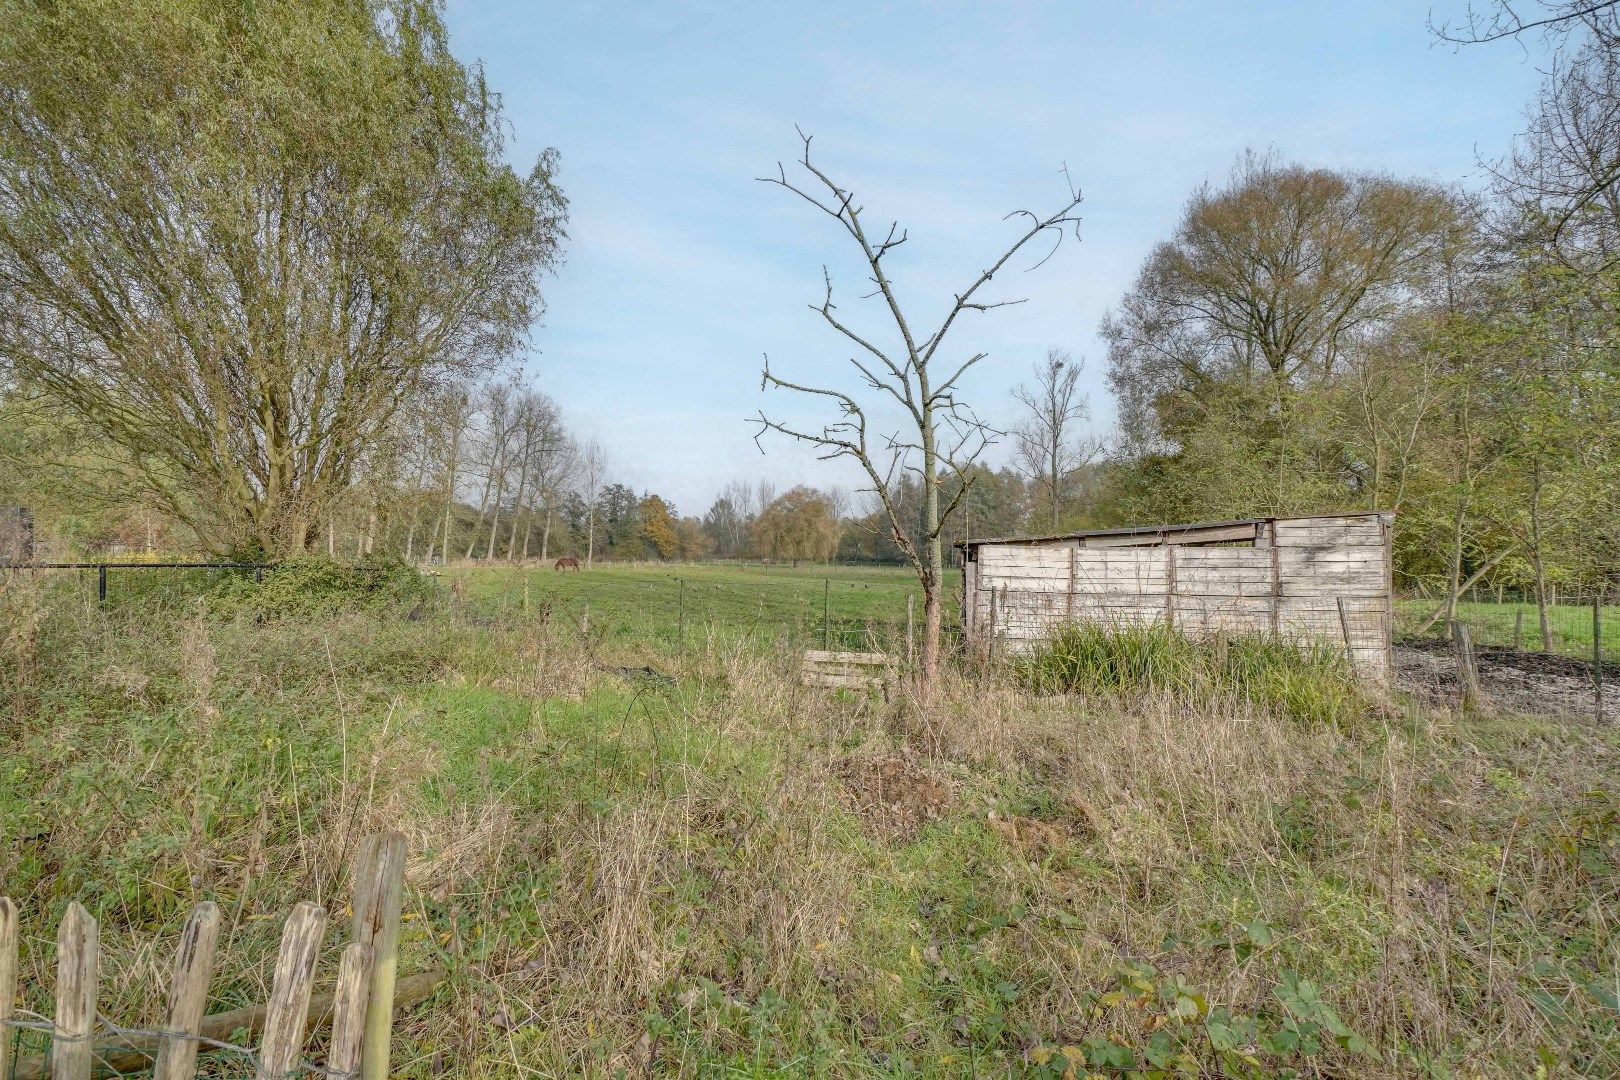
[(494, 517), (1052, 478), (1456, 558), (1536, 560), (517, 507), (590, 537), (933, 558), (450, 489), (545, 537)]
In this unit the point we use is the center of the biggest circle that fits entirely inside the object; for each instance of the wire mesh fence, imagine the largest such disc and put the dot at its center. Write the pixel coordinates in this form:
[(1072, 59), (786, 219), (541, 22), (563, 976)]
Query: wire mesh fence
[(1583, 623), (130, 583), (850, 608)]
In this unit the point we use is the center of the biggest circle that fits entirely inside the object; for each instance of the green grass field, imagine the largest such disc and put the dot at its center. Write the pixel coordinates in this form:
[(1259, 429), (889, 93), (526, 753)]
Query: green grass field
[(1492, 624), (718, 873), (861, 604)]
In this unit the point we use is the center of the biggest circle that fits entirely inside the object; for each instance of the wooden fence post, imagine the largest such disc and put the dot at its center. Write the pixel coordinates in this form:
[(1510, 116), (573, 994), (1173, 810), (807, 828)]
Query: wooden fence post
[(349, 1010), (1462, 644), (9, 932), (1597, 654), (378, 888), (288, 1012), (78, 963), (188, 993), (911, 649)]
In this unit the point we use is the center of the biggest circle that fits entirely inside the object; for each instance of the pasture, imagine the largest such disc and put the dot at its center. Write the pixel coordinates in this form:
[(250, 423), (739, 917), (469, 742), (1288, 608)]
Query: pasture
[(769, 602), (639, 856), (1493, 624)]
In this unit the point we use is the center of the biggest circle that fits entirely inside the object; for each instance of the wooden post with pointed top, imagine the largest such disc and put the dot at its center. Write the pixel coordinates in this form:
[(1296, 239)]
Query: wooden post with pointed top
[(288, 1013), (78, 966), (188, 993)]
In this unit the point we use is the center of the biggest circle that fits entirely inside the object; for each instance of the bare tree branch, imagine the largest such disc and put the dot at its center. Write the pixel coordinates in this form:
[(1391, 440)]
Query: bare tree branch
[(945, 438)]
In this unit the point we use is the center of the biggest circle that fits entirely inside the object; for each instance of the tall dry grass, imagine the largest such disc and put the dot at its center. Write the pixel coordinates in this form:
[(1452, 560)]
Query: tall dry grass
[(732, 871)]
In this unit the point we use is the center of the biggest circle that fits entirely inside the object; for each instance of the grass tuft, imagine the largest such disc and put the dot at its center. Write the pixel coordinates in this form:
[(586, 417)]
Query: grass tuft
[(1300, 681)]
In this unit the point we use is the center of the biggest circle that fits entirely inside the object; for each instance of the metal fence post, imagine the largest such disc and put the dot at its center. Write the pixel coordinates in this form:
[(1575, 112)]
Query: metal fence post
[(826, 613), (680, 618), (101, 584)]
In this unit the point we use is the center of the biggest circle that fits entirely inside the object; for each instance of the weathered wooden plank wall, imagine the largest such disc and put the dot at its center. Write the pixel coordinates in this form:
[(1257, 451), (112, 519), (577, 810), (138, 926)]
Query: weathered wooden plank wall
[(1326, 579)]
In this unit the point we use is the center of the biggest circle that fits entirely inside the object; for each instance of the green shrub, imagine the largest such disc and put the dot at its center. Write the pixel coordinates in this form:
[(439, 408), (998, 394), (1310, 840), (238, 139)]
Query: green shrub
[(1294, 679), (312, 585)]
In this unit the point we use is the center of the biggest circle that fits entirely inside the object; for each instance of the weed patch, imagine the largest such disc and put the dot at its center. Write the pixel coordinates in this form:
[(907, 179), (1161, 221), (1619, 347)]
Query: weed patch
[(1301, 681)]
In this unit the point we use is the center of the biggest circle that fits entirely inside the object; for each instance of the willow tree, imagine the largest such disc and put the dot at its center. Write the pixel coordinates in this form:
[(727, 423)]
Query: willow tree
[(1258, 301), (237, 238)]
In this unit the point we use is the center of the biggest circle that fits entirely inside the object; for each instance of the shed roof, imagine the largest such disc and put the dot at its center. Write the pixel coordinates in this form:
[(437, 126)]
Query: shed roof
[(1185, 533)]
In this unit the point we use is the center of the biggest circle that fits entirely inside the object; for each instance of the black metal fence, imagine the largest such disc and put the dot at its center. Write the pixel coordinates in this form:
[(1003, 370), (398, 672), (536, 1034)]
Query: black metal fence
[(104, 570)]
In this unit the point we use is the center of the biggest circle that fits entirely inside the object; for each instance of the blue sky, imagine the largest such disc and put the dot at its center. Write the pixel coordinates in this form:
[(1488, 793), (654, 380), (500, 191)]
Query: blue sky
[(682, 269)]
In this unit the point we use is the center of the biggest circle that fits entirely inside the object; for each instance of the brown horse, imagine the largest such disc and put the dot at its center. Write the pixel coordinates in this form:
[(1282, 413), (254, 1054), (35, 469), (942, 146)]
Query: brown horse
[(567, 562)]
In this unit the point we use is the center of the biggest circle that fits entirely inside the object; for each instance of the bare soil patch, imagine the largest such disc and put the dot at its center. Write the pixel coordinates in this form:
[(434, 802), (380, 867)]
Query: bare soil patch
[(1536, 684), (895, 794)]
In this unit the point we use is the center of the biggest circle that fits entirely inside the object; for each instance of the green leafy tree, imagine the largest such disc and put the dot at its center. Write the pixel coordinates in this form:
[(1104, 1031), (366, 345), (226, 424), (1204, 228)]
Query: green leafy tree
[(798, 525), (236, 238)]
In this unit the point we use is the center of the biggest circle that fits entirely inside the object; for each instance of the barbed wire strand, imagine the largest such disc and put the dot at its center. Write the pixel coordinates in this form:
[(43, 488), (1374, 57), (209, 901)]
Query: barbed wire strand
[(107, 1028)]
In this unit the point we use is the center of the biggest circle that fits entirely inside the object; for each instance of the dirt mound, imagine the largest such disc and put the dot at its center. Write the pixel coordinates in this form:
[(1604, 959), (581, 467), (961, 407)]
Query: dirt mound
[(896, 793)]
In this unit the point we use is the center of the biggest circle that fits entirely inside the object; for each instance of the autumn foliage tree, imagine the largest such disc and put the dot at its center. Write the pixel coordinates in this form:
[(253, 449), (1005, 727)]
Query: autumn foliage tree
[(660, 527)]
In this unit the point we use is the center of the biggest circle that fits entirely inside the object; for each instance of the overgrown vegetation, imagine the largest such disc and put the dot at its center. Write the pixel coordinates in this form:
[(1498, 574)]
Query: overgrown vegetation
[(1283, 678), (312, 585), (732, 875)]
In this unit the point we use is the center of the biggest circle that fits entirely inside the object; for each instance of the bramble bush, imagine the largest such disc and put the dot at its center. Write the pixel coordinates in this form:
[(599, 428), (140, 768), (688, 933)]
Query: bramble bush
[(317, 585)]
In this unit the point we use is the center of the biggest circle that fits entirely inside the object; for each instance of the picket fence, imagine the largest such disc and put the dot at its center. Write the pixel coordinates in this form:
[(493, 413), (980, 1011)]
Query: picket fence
[(360, 1009)]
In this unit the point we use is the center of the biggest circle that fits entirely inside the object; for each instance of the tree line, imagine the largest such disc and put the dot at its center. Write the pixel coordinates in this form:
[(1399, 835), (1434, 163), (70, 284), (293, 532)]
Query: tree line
[(1313, 340), (262, 315)]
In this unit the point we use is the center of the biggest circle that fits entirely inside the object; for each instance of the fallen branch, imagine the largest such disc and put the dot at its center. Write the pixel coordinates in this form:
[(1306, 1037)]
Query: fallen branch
[(1465, 586)]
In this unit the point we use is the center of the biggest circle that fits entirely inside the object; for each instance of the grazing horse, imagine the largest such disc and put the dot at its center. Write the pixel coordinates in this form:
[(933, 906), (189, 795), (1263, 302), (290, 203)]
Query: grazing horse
[(567, 562)]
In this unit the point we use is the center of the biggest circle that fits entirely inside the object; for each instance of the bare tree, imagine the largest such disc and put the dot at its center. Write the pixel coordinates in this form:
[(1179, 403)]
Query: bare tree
[(539, 435), (542, 441), (1562, 179), (591, 467), (492, 451), (942, 435), (1556, 20), (1048, 449), (553, 472)]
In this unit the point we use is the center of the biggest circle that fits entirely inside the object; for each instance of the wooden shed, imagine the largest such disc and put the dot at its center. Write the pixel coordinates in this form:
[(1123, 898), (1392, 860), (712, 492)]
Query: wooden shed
[(1324, 579)]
